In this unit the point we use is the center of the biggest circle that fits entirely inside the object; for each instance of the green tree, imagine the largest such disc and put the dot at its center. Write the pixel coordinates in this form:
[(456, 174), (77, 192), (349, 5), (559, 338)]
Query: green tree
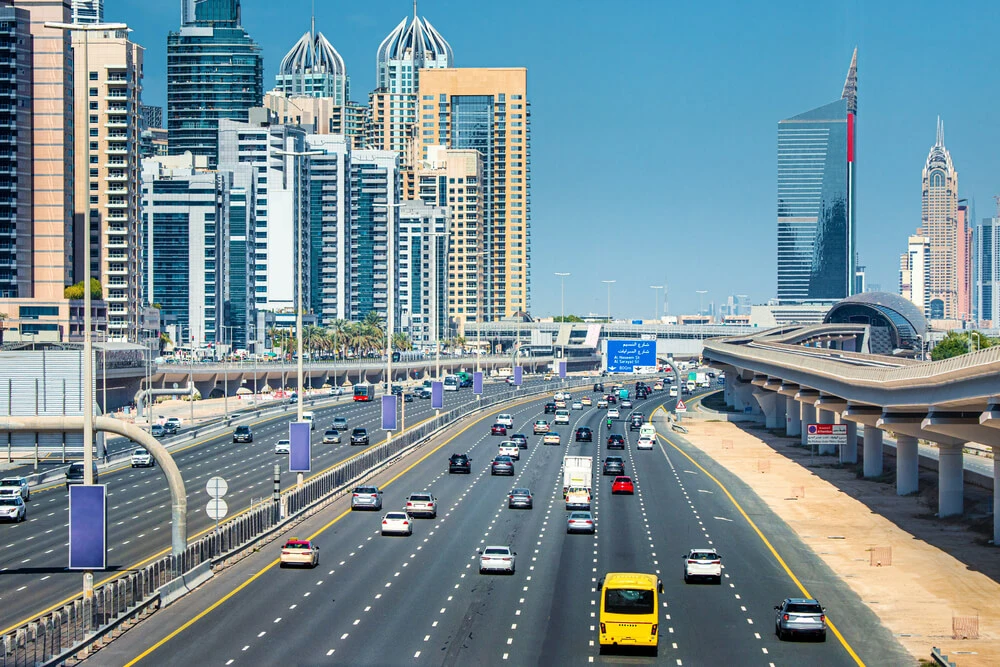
[(401, 342), (956, 343), (568, 318), (76, 291)]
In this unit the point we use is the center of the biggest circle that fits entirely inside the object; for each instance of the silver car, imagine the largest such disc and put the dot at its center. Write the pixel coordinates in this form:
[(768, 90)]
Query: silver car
[(366, 498), (331, 437), (520, 498), (580, 522), (800, 616), (496, 559)]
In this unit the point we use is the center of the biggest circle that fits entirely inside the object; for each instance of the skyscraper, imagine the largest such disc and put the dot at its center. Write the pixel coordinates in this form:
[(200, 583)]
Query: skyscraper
[(374, 194), (107, 114), (214, 71), (987, 272), (15, 152), (313, 68), (963, 258), (402, 55), (88, 11), (914, 266), (423, 272), (487, 110), (816, 210), (330, 226), (939, 223)]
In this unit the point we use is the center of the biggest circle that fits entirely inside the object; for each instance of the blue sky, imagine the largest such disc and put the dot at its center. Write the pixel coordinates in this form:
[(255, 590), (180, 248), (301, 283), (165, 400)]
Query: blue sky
[(654, 124)]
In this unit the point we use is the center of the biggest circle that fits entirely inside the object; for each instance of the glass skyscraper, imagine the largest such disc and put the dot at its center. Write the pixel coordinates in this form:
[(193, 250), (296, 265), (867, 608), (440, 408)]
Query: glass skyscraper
[(214, 72), (816, 211)]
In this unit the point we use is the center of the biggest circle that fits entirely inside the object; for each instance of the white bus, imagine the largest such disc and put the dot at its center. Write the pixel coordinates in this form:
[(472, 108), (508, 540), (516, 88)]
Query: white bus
[(451, 383)]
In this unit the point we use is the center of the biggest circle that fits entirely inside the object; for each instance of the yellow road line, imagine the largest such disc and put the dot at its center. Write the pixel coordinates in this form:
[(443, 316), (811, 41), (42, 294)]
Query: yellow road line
[(333, 521), (767, 543)]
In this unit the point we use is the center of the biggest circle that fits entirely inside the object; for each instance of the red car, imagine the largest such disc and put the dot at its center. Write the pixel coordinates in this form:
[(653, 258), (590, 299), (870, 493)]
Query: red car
[(498, 429), (623, 484)]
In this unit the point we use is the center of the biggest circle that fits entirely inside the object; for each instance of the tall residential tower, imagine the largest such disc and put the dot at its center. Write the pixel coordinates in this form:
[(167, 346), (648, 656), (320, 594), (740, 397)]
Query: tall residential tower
[(939, 223), (816, 210)]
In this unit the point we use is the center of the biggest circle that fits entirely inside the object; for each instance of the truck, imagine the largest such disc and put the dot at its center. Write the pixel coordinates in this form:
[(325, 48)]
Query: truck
[(623, 394), (699, 379), (577, 472), (464, 379)]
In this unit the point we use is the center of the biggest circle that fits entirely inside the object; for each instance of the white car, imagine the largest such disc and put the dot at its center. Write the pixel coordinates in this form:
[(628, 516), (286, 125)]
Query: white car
[(12, 509), (706, 563), (15, 486), (509, 448), (337, 391), (626, 403), (397, 523), (141, 458), (613, 413), (283, 447), (577, 405), (673, 391), (176, 421), (496, 559), (645, 442), (562, 417), (602, 403), (505, 419)]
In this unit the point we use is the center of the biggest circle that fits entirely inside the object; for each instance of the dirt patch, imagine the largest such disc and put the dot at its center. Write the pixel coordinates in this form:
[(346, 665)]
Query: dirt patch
[(931, 577)]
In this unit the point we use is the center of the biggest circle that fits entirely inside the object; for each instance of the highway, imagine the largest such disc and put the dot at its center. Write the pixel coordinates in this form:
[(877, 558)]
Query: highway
[(34, 553), (410, 600)]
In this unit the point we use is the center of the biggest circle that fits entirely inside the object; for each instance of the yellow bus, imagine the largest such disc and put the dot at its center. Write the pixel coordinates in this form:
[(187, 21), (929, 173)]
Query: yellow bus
[(630, 611)]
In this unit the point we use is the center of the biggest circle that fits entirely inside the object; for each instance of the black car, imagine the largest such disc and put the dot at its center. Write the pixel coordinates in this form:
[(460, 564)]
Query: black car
[(550, 408), (616, 441), (599, 387), (641, 393), (422, 392), (75, 473), (459, 463), (170, 428), (635, 423), (407, 398), (359, 436), (584, 434), (612, 399), (614, 465), (243, 434), (397, 390), (521, 440)]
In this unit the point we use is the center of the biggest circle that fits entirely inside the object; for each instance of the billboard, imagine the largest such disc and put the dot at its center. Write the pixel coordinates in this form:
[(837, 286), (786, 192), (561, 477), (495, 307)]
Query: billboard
[(88, 527), (562, 369), (477, 383), (624, 356), (389, 413), (518, 374), (300, 449), (437, 395)]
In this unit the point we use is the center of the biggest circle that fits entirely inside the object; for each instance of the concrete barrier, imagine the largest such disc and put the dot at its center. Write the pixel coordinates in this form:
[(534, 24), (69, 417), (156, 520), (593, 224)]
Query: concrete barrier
[(184, 584)]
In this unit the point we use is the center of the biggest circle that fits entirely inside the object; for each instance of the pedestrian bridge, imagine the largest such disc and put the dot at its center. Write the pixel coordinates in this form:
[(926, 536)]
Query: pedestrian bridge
[(809, 374)]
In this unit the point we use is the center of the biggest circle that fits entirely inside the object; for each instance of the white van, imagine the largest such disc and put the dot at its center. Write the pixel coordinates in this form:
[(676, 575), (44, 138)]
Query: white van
[(562, 417), (647, 429), (451, 383), (311, 418)]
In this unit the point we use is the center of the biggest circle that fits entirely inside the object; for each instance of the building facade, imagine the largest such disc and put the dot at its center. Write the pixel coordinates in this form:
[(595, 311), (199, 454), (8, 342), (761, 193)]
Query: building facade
[(986, 276), (330, 227), (375, 189), (152, 116), (281, 205), (88, 11), (914, 266), (313, 68), (186, 213), (15, 152), (487, 110), (215, 71), (423, 272), (454, 178), (939, 223), (319, 115), (963, 258), (107, 116), (816, 211)]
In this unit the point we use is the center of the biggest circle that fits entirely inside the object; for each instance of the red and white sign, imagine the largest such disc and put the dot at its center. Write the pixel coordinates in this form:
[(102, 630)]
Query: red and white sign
[(681, 407), (826, 434)]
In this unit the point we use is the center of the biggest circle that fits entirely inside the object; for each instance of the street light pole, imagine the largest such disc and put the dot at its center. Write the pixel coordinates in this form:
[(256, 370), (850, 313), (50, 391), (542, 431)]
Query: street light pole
[(391, 289)]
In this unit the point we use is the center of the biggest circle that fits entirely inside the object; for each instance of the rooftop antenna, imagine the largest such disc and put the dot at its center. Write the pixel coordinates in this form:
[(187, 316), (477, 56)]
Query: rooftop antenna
[(940, 132), (996, 200), (414, 10)]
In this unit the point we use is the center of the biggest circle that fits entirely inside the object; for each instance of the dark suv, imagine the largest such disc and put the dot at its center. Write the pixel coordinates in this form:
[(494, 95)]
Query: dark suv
[(459, 463), (599, 387), (243, 434), (521, 440), (616, 441), (75, 473), (635, 423), (614, 465), (584, 434), (359, 436), (550, 408)]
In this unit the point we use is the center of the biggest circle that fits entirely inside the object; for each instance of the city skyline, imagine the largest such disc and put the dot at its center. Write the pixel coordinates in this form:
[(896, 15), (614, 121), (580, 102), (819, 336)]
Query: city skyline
[(889, 202)]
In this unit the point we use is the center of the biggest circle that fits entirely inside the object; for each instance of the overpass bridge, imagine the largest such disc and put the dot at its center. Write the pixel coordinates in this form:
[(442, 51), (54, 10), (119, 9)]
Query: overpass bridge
[(803, 375)]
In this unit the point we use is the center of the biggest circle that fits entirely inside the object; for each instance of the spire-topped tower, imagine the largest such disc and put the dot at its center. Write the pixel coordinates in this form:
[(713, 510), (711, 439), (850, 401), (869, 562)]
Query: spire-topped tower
[(408, 49), (851, 85), (939, 223), (940, 133), (314, 68)]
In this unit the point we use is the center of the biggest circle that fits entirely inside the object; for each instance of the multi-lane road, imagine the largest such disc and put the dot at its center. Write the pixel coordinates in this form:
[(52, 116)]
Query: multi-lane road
[(33, 554), (378, 600)]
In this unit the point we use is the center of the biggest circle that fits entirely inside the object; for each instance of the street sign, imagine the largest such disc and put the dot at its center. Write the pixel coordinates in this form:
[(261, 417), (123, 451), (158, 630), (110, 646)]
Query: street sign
[(681, 407), (624, 355), (826, 434), (562, 369), (389, 413), (518, 373), (217, 487), (217, 509), (88, 527), (437, 395), (477, 383), (299, 447)]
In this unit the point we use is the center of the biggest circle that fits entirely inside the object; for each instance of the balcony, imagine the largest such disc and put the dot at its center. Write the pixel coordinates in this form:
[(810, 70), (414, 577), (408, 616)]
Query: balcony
[(116, 271), (117, 298), (116, 150), (116, 178), (116, 244), (117, 204), (118, 325)]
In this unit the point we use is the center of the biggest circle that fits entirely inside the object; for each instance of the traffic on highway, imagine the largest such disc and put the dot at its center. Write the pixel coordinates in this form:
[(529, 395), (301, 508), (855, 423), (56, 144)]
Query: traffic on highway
[(590, 551)]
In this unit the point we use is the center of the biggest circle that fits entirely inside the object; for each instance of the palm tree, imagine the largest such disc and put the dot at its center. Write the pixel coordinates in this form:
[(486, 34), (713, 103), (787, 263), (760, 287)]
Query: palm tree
[(375, 322), (337, 333), (401, 342)]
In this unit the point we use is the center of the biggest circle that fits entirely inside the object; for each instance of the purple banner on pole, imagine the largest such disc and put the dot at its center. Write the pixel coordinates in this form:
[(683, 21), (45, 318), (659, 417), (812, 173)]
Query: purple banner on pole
[(388, 413), (562, 369), (300, 450), (477, 383), (518, 372), (88, 527), (437, 395)]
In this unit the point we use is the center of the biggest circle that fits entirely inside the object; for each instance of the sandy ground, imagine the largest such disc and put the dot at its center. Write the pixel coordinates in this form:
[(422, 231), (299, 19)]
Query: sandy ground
[(940, 570)]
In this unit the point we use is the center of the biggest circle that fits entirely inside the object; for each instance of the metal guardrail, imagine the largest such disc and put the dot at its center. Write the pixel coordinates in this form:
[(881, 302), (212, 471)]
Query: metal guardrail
[(940, 658), (61, 634), (375, 363)]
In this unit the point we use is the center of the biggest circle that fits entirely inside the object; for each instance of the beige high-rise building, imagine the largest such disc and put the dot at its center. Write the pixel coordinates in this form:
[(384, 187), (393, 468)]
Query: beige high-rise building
[(939, 223), (487, 110), (108, 106), (454, 178), (320, 115)]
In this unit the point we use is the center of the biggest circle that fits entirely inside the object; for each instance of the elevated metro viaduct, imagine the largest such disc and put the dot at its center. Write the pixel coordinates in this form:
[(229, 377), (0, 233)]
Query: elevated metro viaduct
[(806, 374)]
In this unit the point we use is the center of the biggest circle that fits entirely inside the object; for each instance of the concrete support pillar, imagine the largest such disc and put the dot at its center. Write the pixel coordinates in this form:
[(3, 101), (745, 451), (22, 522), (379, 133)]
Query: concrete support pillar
[(826, 417), (907, 460), (808, 415), (793, 418), (849, 454), (767, 400), (729, 392), (873, 451), (744, 399), (951, 480), (779, 410)]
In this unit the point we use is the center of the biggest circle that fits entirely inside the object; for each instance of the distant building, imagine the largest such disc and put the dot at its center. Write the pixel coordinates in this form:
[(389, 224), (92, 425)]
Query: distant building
[(987, 272), (152, 116), (319, 115), (963, 259), (313, 68), (330, 209), (374, 195), (88, 11), (153, 142), (860, 284), (816, 208), (423, 272), (939, 223), (914, 267), (215, 71)]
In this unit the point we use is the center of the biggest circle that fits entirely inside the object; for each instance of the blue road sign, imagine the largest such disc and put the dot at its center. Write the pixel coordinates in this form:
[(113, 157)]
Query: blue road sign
[(625, 355), (88, 527)]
